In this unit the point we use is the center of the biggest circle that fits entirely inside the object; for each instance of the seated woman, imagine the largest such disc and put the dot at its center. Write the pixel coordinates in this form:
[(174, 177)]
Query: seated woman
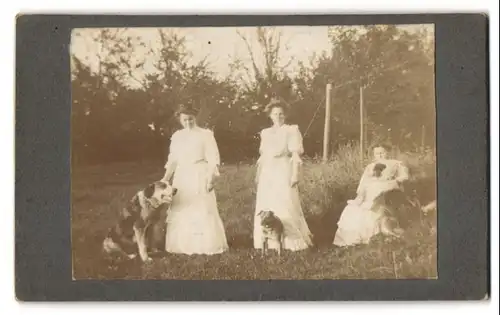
[(358, 224)]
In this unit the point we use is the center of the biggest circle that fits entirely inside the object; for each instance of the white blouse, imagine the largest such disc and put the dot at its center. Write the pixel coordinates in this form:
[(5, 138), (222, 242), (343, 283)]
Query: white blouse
[(395, 170), (281, 142), (191, 146)]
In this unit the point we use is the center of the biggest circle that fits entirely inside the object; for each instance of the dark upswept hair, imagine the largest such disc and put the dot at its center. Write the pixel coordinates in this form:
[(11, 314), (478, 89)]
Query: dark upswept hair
[(276, 103), (387, 146), (186, 110)]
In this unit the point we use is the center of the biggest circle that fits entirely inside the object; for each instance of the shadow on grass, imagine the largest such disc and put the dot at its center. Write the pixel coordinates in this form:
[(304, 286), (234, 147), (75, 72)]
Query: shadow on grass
[(240, 241), (323, 225)]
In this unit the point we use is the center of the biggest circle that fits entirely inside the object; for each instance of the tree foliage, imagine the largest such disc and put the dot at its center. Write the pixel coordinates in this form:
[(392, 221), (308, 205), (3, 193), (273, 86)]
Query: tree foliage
[(117, 116)]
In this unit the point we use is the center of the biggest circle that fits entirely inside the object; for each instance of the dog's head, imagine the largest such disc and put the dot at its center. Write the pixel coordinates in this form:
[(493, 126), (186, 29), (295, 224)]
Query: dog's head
[(159, 193), (267, 217), (378, 169)]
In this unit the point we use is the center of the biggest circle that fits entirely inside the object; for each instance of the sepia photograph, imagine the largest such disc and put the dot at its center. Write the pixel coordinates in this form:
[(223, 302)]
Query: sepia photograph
[(254, 153)]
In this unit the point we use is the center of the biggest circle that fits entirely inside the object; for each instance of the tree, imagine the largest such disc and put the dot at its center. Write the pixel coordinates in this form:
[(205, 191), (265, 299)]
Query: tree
[(394, 67), (121, 112), (265, 78)]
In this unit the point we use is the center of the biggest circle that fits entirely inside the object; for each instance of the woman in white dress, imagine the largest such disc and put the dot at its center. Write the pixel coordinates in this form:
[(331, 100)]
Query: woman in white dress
[(277, 179), (357, 224), (193, 222)]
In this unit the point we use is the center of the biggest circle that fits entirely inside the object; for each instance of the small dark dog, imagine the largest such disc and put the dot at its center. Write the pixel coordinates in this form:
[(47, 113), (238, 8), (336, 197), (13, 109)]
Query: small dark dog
[(272, 228), (130, 234), (378, 169)]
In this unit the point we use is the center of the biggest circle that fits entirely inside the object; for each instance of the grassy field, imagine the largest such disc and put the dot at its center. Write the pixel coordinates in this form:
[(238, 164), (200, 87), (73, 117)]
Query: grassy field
[(99, 192)]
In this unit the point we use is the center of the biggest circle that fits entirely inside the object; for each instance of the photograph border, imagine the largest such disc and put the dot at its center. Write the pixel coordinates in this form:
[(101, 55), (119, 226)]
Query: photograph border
[(43, 262)]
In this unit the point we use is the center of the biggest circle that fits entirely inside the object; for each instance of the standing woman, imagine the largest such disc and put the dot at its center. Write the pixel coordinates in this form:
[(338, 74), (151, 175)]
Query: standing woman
[(277, 179), (193, 222)]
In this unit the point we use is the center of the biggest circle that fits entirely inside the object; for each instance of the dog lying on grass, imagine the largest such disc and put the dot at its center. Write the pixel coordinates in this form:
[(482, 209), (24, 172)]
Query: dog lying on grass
[(129, 235)]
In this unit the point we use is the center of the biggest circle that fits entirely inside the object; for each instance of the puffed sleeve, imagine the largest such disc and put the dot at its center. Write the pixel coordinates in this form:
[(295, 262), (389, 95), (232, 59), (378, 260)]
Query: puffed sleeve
[(171, 163), (402, 173), (366, 174), (262, 146), (172, 153), (262, 135), (295, 144), (261, 152), (212, 152), (295, 147)]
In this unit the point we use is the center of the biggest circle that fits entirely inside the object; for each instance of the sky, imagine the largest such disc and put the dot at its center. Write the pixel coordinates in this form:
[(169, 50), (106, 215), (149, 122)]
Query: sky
[(220, 45)]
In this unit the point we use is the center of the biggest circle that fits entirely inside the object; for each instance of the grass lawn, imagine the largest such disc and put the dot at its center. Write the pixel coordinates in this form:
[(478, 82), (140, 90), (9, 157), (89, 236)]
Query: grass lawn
[(99, 192)]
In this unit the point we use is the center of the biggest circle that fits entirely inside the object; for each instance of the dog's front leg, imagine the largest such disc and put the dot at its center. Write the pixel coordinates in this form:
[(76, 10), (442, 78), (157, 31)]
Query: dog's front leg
[(154, 236), (281, 240), (397, 232), (387, 230), (140, 237), (264, 246)]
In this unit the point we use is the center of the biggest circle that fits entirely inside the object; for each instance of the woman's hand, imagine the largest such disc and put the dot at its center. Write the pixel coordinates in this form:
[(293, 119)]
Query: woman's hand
[(257, 173), (169, 173), (357, 201), (295, 160), (166, 179), (393, 182), (210, 186)]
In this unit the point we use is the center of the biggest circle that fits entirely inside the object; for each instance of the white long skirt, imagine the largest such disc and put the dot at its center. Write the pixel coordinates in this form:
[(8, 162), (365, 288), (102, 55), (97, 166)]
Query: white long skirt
[(194, 225), (274, 193), (357, 225)]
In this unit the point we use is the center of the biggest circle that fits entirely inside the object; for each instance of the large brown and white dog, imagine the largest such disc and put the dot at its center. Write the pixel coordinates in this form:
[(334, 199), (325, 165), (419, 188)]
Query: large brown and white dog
[(129, 235), (272, 229), (388, 206)]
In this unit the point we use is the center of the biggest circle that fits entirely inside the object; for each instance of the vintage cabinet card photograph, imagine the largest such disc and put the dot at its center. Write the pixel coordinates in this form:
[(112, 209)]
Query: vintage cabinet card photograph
[(261, 158)]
